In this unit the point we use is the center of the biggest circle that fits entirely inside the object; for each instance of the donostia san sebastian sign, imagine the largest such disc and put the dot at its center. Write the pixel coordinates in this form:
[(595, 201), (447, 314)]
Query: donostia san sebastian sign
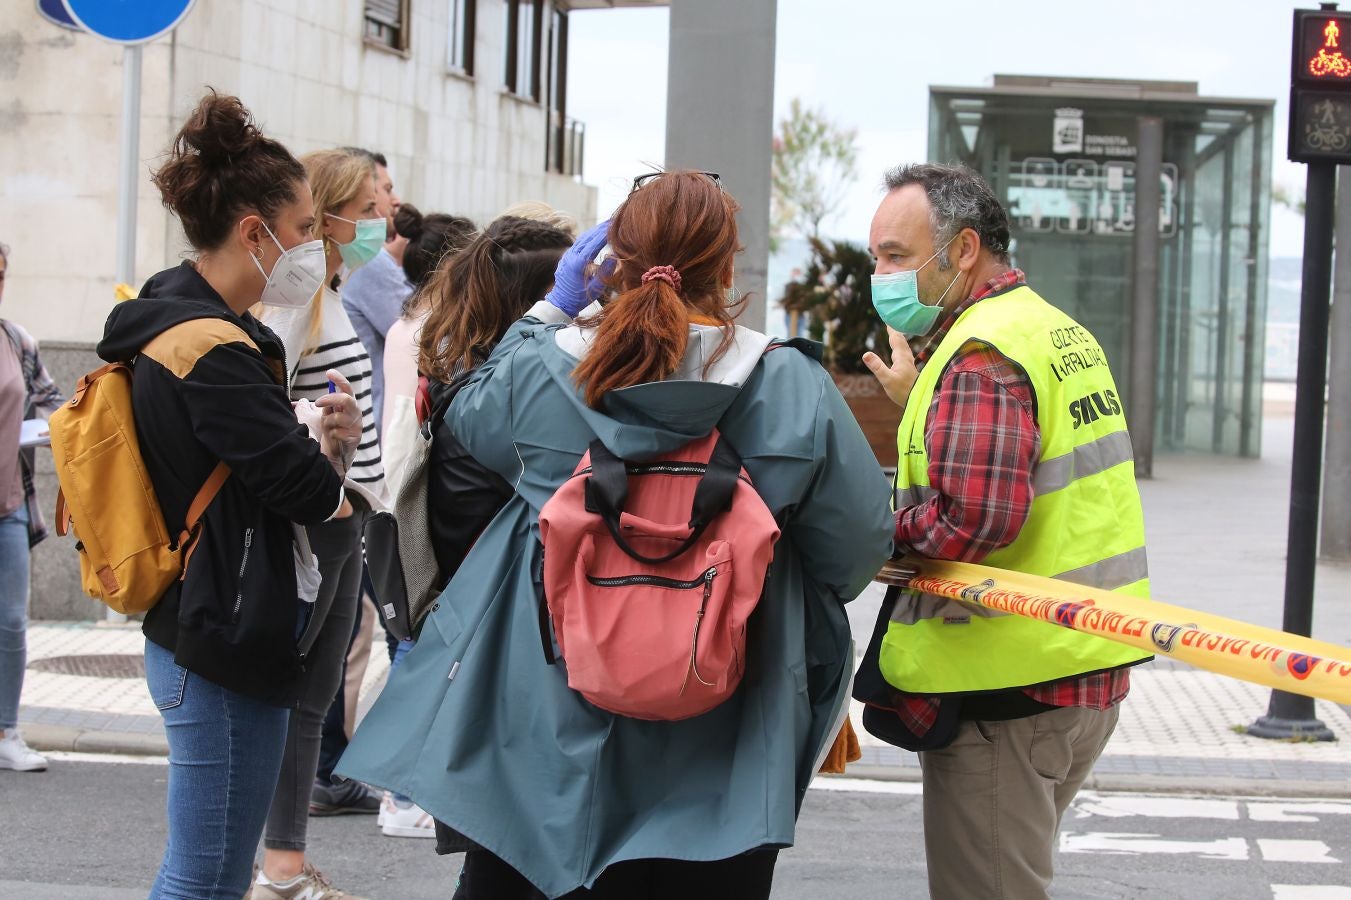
[(1086, 185), (1069, 136)]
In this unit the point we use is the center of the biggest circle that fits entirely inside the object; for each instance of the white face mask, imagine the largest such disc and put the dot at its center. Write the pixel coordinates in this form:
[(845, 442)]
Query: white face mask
[(296, 276)]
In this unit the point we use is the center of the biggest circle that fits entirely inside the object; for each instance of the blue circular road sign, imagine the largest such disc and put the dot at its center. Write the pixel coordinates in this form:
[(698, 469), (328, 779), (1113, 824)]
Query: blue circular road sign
[(54, 11), (128, 21)]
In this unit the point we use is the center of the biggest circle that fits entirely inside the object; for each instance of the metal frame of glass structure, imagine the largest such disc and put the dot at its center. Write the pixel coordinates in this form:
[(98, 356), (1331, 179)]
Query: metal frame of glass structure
[(1060, 155)]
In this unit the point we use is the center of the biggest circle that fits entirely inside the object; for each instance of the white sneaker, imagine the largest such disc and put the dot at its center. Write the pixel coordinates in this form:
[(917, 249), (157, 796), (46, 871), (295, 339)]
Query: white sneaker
[(404, 819), (386, 806), (14, 754)]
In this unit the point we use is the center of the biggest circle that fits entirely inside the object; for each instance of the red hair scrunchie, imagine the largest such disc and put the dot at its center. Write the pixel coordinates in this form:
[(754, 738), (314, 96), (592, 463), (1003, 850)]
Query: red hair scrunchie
[(667, 274)]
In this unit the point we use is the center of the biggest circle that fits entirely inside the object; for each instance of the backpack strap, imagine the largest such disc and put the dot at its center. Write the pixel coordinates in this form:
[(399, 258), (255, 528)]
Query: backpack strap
[(713, 496), (192, 525), (19, 354), (62, 514), (542, 605), (805, 346), (438, 410), (607, 489), (89, 378)]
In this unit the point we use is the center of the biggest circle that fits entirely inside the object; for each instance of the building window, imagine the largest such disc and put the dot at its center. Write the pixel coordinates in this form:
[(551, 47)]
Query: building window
[(558, 61), (563, 150), (460, 57), (387, 23), (525, 19)]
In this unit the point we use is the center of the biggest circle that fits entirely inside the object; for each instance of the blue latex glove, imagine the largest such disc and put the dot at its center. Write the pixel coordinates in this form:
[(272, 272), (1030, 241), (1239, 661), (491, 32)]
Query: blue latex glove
[(572, 292)]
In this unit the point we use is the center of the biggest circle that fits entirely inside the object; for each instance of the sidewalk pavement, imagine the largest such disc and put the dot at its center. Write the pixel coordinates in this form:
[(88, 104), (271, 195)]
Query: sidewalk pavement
[(1216, 529)]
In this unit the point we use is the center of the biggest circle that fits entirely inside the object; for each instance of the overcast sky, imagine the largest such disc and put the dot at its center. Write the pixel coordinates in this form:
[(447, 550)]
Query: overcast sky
[(868, 65)]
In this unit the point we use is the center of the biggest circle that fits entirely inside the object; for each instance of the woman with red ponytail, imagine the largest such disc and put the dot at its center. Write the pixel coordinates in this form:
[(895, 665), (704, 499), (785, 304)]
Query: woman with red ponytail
[(561, 797)]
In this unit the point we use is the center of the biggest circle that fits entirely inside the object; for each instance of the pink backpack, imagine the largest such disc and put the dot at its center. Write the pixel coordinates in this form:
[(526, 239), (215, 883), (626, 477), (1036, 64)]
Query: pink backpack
[(651, 570)]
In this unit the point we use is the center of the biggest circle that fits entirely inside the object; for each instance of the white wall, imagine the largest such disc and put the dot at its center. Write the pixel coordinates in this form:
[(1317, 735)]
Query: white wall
[(455, 144)]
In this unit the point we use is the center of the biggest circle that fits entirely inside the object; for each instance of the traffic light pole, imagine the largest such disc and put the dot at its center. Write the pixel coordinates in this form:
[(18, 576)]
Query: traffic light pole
[(1291, 715)]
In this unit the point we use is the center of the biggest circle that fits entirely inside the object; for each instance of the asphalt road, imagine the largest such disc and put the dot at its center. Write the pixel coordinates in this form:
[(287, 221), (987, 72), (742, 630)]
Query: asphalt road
[(91, 830)]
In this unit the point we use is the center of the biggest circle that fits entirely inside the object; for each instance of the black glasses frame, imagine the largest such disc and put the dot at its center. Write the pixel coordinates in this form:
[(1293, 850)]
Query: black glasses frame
[(643, 179)]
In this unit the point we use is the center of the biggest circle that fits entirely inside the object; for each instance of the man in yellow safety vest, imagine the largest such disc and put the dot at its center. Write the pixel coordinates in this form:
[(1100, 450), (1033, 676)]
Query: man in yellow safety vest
[(1014, 453)]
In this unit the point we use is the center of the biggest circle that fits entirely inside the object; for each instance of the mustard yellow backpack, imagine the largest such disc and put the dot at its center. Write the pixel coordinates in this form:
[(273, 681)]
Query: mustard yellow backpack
[(127, 559)]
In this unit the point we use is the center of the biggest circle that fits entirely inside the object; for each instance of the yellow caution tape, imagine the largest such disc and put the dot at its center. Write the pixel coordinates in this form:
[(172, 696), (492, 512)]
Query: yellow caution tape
[(1288, 662)]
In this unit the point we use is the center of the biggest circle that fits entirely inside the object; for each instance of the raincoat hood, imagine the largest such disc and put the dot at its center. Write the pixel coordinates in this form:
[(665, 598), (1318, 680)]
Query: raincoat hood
[(639, 421)]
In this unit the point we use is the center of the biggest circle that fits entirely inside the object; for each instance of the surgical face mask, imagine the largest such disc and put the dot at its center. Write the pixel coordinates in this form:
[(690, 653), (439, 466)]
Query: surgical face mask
[(370, 237), (296, 275), (896, 299)]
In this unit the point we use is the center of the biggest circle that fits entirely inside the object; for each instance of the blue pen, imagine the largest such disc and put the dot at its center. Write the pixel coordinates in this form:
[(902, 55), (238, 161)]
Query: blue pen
[(332, 388)]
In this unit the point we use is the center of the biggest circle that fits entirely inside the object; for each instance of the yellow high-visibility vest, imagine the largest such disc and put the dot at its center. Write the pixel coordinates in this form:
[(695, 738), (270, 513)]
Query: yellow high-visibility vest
[(1085, 526)]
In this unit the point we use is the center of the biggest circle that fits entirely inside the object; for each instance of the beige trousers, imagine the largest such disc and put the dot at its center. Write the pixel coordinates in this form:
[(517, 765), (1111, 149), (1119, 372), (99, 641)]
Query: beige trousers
[(994, 797), (358, 657)]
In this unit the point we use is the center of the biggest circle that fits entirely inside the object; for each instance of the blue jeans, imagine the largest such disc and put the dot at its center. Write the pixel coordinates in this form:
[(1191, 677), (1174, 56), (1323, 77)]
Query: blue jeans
[(224, 754), (13, 613)]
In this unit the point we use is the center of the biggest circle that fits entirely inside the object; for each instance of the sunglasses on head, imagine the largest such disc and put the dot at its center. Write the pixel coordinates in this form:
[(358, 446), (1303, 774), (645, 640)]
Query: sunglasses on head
[(649, 176)]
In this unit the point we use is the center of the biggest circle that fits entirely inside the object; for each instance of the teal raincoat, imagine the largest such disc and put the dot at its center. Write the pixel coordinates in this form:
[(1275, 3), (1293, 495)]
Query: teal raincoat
[(482, 733)]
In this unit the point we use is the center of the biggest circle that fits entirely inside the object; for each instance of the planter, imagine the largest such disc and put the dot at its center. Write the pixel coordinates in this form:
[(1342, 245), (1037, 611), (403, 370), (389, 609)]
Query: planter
[(876, 414)]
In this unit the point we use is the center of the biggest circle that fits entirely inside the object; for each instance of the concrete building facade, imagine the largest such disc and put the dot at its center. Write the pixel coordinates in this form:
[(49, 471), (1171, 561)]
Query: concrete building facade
[(466, 98)]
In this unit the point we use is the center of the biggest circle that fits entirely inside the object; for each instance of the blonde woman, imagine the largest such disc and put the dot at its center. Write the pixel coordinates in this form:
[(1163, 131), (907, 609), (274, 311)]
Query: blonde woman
[(318, 337), (538, 211)]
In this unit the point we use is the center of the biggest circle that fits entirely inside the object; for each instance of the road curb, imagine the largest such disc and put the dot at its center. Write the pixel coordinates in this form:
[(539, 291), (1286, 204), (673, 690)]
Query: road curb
[(1158, 784), (81, 740), (67, 739)]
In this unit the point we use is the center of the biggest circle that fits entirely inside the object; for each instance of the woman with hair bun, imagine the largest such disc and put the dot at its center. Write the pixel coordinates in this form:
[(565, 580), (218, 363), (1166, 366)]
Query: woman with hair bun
[(431, 239), (561, 795), (226, 645)]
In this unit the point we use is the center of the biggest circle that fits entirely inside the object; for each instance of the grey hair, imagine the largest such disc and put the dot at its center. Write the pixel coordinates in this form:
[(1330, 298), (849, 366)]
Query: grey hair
[(958, 198), (376, 158)]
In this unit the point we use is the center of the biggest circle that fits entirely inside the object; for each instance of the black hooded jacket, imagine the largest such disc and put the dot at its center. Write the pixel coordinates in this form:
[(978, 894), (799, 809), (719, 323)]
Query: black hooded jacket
[(214, 390)]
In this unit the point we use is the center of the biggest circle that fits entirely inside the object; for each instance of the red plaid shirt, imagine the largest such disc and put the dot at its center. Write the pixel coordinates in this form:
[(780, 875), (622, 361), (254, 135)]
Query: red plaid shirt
[(983, 443)]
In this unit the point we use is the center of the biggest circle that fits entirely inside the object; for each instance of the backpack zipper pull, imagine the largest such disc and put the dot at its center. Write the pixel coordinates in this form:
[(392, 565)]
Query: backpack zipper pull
[(699, 621)]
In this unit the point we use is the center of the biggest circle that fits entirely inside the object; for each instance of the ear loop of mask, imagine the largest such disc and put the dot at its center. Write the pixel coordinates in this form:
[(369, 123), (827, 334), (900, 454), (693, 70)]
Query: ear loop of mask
[(258, 260), (939, 302)]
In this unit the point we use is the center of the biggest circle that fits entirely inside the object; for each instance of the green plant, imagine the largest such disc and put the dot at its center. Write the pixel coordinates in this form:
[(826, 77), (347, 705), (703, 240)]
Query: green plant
[(835, 294), (814, 163)]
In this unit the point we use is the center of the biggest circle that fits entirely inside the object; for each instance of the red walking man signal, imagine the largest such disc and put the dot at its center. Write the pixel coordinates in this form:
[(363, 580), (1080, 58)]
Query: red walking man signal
[(1320, 87), (1325, 63)]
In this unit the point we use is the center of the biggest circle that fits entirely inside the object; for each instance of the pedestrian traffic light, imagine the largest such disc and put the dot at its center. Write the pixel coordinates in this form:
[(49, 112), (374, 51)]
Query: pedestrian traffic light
[(1320, 86)]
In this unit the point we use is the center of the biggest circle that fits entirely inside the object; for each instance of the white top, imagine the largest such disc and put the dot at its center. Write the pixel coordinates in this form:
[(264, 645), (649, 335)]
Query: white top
[(400, 363), (398, 431), (336, 346)]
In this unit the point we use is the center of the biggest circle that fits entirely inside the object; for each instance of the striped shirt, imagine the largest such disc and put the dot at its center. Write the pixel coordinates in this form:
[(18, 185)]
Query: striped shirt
[(336, 346)]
